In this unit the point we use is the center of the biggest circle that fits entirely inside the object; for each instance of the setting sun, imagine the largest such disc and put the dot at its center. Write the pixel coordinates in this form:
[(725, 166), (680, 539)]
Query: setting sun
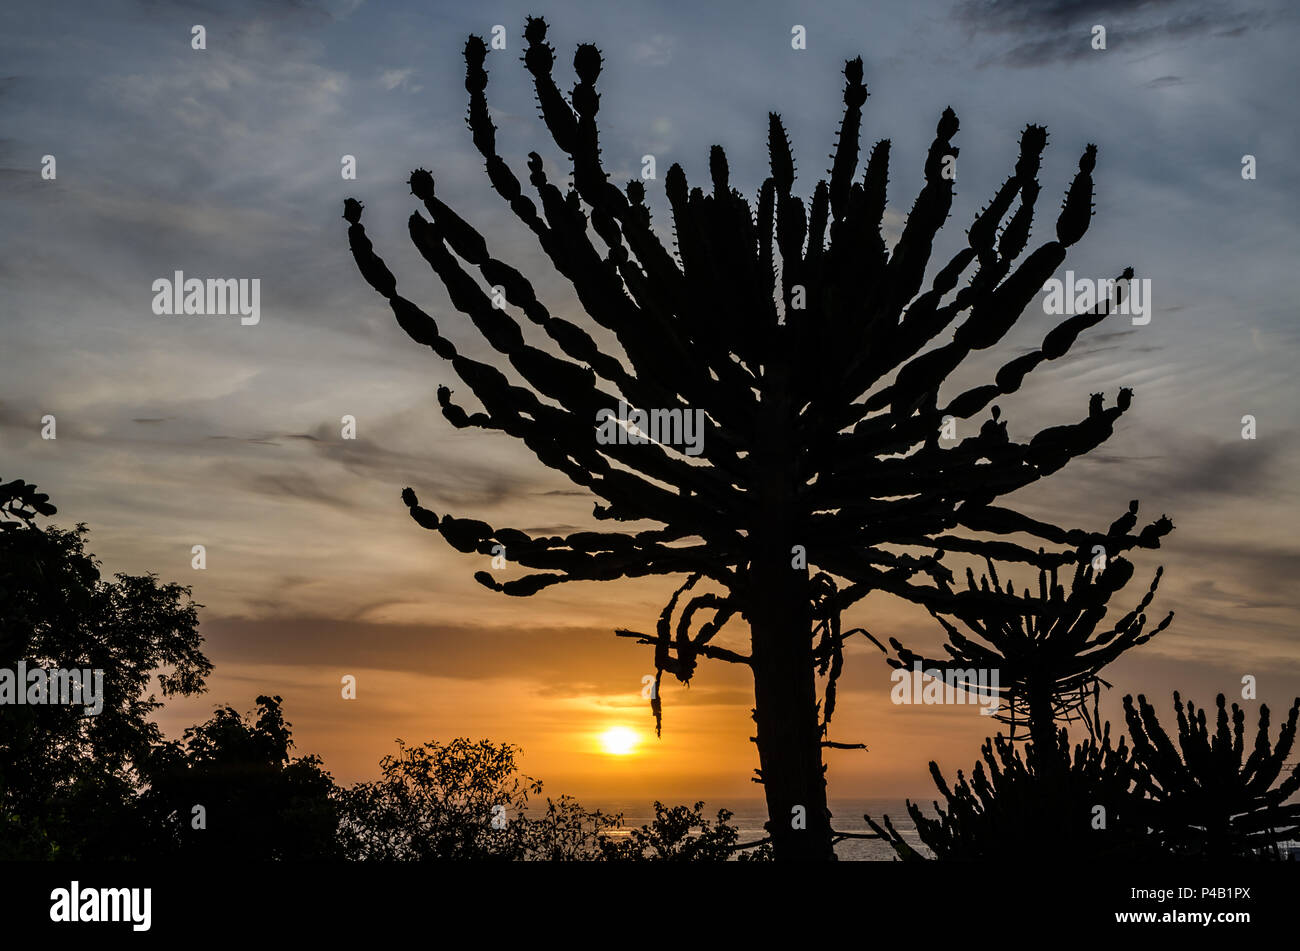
[(619, 741)]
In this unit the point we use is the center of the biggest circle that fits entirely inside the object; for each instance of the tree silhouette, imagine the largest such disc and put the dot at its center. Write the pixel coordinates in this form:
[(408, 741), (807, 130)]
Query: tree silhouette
[(455, 800), (259, 803), (1209, 797), (67, 779), (801, 337), (677, 834)]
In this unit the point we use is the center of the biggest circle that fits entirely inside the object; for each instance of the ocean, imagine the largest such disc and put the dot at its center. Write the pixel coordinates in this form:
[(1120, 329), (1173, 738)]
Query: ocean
[(750, 814)]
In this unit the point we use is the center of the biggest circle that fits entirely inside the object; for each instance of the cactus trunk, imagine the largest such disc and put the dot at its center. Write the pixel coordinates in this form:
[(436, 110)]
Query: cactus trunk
[(785, 710), (785, 688)]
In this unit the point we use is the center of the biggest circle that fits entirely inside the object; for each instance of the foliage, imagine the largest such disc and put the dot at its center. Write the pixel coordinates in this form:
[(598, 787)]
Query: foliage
[(259, 803), (66, 779)]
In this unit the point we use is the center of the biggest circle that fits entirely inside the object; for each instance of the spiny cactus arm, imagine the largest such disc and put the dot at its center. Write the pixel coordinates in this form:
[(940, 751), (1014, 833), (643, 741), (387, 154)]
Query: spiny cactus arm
[(968, 654), (559, 247), (818, 218), (629, 493), (1069, 625), (1265, 763), (993, 309), (1194, 740), (539, 57), (1001, 550), (646, 340), (864, 578), (906, 267), (924, 318), (825, 547), (574, 129), (470, 246), (470, 535), (930, 473), (1153, 750), (579, 139), (1007, 380), (698, 645), (568, 248), (1013, 466), (852, 264), (572, 385), (896, 841), (418, 325), (1102, 650), (1012, 374), (608, 566), (689, 346), (1001, 520), (660, 266), (545, 449), (1015, 236), (725, 309), (924, 425), (473, 535), (678, 656), (543, 428), (846, 145), (1267, 825), (1006, 521)]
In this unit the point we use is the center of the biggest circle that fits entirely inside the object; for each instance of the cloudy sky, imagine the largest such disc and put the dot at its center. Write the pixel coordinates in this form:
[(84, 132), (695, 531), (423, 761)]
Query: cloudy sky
[(225, 162)]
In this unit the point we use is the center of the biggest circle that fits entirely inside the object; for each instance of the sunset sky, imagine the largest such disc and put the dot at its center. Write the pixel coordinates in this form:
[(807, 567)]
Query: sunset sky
[(225, 162)]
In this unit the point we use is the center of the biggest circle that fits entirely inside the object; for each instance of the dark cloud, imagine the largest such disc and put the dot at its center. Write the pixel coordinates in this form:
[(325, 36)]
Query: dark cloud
[(1059, 31), (301, 486), (448, 480), (573, 656), (1236, 467)]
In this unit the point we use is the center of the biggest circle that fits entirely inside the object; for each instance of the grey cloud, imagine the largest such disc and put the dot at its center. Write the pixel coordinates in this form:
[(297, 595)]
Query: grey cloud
[(1060, 30)]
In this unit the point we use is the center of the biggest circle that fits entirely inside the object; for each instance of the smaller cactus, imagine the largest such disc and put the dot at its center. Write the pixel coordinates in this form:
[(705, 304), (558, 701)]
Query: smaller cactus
[(1042, 804), (1049, 650), (1208, 797)]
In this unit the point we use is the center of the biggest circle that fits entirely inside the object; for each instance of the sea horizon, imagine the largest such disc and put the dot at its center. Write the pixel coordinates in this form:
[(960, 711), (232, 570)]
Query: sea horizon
[(750, 813)]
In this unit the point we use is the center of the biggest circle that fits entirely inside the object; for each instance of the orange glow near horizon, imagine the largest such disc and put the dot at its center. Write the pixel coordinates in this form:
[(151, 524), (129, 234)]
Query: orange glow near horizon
[(619, 741)]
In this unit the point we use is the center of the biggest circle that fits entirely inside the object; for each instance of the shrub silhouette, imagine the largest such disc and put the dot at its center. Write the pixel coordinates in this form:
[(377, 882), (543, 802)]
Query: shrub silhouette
[(259, 803), (68, 781), (440, 801), (467, 800)]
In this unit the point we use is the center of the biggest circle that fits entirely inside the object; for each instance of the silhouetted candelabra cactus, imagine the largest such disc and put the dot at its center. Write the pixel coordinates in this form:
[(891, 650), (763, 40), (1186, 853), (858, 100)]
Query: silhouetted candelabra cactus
[(820, 402), (1208, 796), (1048, 649), (1044, 804)]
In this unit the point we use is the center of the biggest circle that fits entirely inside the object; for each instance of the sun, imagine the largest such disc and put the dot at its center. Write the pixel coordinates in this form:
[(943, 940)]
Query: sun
[(619, 741)]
